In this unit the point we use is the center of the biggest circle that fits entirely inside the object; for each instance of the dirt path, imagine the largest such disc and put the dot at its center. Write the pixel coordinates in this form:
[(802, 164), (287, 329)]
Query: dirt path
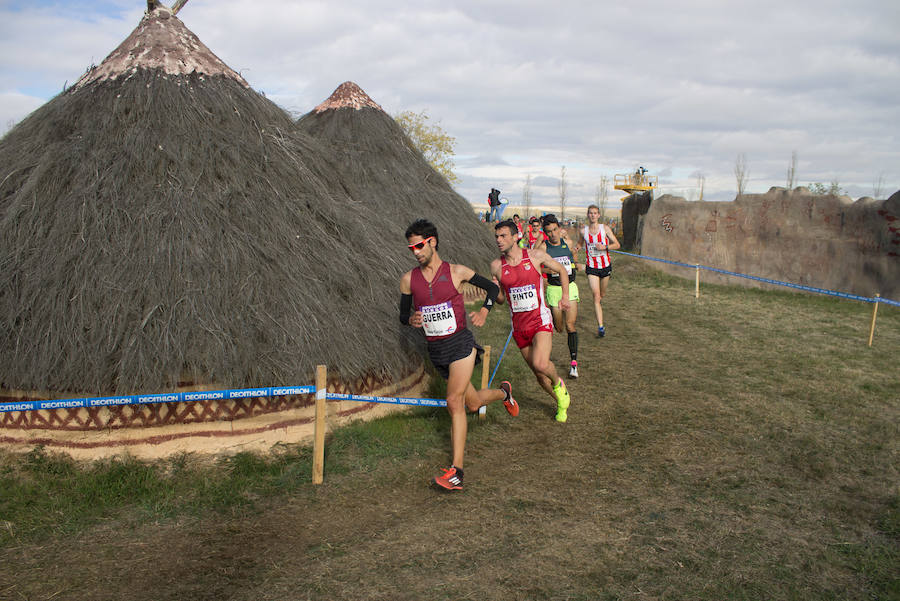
[(673, 486)]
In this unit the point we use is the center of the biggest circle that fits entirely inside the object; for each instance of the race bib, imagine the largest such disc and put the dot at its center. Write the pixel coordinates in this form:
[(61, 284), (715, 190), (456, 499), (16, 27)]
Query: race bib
[(565, 262), (594, 250), (438, 320), (523, 298)]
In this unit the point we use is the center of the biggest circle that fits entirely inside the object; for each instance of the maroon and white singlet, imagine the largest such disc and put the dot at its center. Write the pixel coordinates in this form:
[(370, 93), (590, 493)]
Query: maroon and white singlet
[(597, 256), (441, 304), (523, 286)]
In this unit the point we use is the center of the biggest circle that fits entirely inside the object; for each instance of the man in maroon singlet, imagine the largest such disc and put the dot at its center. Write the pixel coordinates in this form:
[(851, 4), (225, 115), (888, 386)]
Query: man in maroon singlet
[(432, 290), (518, 271)]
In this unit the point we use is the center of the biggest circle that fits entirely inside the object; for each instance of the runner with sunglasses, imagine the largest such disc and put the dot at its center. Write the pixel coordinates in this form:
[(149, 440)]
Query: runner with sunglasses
[(430, 299)]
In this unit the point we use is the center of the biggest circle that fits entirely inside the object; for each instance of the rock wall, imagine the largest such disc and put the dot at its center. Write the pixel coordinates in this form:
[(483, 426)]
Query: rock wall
[(794, 236)]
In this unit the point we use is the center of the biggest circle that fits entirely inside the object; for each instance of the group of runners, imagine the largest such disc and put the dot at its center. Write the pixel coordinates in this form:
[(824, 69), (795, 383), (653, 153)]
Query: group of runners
[(430, 299)]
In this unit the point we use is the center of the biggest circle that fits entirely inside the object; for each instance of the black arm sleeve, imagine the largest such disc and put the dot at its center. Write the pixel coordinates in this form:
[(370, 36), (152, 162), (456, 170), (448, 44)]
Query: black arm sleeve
[(405, 308), (488, 286)]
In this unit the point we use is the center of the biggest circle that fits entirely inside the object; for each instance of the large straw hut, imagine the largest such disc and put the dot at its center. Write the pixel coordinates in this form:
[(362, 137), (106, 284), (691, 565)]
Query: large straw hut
[(163, 226), (382, 169)]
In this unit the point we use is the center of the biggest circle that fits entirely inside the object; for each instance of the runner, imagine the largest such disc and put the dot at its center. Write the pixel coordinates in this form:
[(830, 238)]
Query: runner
[(560, 248), (518, 271), (433, 289), (536, 236), (597, 239)]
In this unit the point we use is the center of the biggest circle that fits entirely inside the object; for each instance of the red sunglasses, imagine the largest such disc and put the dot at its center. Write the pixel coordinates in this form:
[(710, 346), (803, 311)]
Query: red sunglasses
[(420, 245)]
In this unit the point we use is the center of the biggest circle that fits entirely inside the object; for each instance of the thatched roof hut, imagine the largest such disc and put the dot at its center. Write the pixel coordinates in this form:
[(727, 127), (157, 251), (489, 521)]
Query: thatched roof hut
[(382, 169), (161, 224)]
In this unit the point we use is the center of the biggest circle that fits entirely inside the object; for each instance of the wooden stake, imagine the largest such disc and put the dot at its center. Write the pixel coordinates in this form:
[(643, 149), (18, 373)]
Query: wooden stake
[(177, 6), (319, 441), (874, 314), (485, 371), (697, 281)]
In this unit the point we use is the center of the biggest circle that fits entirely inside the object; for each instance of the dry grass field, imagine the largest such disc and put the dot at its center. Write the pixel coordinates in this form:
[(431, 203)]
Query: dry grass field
[(743, 445)]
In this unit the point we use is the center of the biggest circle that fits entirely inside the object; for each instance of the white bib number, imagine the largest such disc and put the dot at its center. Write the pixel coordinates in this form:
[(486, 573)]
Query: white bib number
[(594, 250), (438, 320), (565, 262), (523, 298)]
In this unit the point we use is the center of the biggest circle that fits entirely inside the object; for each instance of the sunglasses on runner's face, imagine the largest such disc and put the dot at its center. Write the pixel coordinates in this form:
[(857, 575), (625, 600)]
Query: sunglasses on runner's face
[(420, 245)]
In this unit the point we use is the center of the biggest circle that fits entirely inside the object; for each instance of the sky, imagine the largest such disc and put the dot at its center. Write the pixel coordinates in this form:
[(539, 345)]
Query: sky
[(529, 87)]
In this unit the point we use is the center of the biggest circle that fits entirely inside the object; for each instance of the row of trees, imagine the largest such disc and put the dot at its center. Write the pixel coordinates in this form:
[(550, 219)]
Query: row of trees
[(437, 146)]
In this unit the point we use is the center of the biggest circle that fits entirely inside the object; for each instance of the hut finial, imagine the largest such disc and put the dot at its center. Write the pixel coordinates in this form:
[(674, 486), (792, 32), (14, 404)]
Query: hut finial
[(177, 6)]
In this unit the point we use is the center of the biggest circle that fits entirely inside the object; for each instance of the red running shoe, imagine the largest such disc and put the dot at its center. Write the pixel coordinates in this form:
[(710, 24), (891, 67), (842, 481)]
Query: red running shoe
[(512, 407), (451, 479)]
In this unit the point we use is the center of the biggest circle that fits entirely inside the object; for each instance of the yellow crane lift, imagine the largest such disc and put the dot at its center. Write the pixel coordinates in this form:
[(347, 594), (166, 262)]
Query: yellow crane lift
[(638, 181)]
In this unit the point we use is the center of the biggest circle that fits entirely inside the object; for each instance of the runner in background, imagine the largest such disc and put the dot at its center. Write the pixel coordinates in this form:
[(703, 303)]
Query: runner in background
[(536, 235), (560, 248), (518, 271), (432, 290), (597, 239)]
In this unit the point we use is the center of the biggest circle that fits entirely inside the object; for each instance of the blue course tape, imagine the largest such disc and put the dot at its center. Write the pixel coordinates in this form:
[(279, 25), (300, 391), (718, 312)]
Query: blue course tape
[(500, 358), (864, 299), (333, 396), (168, 397)]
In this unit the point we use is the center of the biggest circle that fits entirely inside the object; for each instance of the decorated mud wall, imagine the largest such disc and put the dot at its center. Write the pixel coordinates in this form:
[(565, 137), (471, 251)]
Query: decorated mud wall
[(795, 236)]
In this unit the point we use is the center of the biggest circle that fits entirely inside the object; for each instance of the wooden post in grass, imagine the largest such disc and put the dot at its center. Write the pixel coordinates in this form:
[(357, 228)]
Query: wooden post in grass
[(319, 441), (874, 314), (697, 280), (485, 370)]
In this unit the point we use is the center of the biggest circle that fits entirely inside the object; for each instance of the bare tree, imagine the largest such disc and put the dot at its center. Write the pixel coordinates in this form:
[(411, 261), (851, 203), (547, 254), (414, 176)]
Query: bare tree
[(602, 196), (792, 171), (563, 192), (526, 194), (741, 173), (878, 186)]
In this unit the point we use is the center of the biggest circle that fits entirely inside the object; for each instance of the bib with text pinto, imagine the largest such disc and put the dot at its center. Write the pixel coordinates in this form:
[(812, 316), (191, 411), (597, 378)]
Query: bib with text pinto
[(523, 298)]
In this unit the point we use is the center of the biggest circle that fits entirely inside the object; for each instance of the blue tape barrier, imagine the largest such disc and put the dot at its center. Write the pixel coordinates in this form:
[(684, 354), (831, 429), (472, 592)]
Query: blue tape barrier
[(169, 397), (864, 299), (334, 396), (500, 358)]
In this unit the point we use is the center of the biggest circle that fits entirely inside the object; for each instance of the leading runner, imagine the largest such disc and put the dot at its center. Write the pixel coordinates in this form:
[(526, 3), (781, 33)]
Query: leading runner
[(518, 270), (433, 289)]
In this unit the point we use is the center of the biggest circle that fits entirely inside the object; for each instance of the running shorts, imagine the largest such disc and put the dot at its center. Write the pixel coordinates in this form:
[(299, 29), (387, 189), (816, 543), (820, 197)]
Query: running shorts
[(524, 339), (445, 351), (603, 272), (554, 294)]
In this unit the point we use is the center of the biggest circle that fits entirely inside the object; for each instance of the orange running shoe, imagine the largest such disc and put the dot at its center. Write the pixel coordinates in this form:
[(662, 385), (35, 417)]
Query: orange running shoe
[(512, 407), (451, 479)]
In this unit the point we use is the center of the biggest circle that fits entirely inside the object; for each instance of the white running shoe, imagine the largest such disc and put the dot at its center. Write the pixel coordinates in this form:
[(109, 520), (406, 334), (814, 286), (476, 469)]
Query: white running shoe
[(573, 369)]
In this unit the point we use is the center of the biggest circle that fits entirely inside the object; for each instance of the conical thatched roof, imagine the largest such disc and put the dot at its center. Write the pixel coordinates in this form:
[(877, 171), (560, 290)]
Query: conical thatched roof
[(383, 170), (160, 223)]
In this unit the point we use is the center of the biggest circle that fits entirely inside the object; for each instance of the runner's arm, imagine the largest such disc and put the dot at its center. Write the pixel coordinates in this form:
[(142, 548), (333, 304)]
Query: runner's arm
[(407, 317), (611, 236), (495, 272)]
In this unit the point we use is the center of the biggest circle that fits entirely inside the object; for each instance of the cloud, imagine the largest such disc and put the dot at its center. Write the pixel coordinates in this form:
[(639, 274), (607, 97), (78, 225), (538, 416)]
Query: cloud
[(526, 87)]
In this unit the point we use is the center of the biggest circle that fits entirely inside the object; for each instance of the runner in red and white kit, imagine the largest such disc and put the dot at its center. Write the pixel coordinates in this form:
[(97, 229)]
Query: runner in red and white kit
[(432, 289), (597, 239), (518, 271)]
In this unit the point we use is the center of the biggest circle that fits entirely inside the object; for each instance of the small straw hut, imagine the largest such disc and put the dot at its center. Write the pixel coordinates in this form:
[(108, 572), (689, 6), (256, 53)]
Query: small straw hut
[(382, 169), (162, 225)]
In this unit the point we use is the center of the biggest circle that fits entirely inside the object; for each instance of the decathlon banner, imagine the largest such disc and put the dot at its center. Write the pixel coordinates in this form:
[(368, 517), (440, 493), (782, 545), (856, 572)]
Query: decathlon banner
[(334, 396), (168, 397)]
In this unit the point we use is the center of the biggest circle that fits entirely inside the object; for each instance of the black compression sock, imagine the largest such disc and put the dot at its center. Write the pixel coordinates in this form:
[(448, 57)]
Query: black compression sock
[(573, 345)]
